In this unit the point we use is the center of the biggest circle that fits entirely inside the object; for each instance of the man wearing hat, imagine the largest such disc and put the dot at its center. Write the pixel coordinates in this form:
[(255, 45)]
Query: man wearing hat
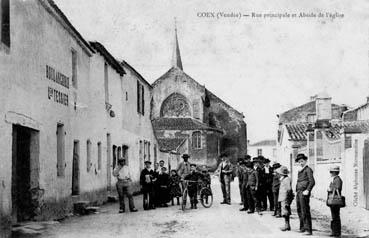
[(225, 170), (268, 181), (244, 176), (336, 184), (147, 179), (123, 175), (184, 167), (253, 187), (284, 196), (304, 185), (275, 189)]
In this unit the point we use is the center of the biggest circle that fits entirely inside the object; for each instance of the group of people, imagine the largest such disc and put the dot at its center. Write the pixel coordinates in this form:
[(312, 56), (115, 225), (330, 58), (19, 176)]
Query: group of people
[(159, 188), (259, 182)]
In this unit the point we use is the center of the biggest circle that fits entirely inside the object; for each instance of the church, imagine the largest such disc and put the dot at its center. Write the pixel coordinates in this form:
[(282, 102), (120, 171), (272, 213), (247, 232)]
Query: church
[(189, 118)]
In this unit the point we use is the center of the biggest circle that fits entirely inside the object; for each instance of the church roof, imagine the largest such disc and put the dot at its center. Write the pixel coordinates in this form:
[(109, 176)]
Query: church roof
[(170, 144), (176, 61), (181, 123)]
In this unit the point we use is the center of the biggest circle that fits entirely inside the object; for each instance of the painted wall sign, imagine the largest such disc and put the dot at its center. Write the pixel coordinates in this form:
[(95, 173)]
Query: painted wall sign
[(57, 77), (57, 96)]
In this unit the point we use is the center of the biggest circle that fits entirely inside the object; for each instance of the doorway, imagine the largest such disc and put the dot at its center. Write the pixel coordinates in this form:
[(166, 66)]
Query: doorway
[(75, 168), (25, 173), (366, 173)]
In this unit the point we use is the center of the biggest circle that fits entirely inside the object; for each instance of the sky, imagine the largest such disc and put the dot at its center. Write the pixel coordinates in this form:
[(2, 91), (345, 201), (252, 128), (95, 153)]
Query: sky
[(262, 66)]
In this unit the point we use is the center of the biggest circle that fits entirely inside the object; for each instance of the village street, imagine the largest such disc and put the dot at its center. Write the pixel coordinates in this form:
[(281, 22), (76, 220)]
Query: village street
[(217, 221)]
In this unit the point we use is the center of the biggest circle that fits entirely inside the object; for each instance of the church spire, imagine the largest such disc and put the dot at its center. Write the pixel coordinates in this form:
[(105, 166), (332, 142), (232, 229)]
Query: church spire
[(176, 60)]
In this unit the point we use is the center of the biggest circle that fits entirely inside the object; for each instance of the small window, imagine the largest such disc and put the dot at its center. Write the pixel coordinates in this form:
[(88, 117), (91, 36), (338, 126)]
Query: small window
[(348, 142), (60, 143), (88, 155), (99, 155), (126, 96), (140, 98), (5, 22), (260, 152), (196, 140), (125, 153)]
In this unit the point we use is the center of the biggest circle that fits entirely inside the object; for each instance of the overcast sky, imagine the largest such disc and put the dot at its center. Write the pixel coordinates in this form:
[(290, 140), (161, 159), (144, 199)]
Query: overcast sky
[(261, 67)]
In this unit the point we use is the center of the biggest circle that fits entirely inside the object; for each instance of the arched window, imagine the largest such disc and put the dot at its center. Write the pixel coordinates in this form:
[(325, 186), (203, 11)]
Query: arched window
[(175, 105), (196, 140)]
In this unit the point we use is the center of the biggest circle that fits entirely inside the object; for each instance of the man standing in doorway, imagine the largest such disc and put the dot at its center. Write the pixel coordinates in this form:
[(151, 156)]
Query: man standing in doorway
[(121, 172), (225, 170), (304, 185)]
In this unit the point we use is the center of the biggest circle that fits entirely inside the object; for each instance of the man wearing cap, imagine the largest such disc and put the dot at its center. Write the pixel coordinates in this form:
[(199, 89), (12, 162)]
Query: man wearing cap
[(184, 167), (121, 172), (253, 186), (244, 177), (336, 184), (163, 185), (304, 185), (250, 204), (225, 170), (193, 178), (284, 196), (147, 179)]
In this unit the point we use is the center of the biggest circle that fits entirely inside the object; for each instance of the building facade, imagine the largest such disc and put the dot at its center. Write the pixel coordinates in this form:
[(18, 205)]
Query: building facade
[(69, 110), (182, 109), (266, 148)]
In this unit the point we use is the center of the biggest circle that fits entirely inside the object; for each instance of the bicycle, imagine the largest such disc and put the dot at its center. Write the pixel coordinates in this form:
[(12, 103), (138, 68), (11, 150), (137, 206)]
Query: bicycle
[(204, 194)]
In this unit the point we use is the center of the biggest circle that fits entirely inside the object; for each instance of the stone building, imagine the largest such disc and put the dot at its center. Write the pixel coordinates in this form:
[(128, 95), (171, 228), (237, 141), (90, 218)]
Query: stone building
[(184, 111), (266, 148)]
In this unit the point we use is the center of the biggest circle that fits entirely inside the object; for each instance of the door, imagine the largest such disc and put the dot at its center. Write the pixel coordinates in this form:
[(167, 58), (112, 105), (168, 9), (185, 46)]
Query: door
[(25, 173), (75, 168), (108, 161), (366, 172)]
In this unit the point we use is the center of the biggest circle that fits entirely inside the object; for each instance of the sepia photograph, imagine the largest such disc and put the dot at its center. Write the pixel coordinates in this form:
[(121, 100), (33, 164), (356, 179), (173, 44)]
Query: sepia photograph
[(184, 119)]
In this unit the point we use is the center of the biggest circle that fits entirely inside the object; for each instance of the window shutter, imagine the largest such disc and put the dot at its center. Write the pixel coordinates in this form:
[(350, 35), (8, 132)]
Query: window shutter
[(5, 22)]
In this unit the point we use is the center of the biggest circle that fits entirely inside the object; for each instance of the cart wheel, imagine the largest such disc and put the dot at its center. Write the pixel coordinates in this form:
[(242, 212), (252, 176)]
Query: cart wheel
[(206, 197)]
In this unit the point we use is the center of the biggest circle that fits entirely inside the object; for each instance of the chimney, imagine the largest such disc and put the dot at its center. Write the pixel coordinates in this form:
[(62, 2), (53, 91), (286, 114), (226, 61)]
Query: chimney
[(323, 105)]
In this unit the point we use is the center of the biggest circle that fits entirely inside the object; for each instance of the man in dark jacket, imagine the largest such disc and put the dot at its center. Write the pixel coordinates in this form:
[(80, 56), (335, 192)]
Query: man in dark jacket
[(275, 189), (304, 185), (261, 192), (336, 184), (268, 181), (253, 186), (163, 187), (193, 177), (147, 180)]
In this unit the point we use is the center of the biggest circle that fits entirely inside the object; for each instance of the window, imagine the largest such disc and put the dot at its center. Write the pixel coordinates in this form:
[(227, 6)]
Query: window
[(74, 68), (99, 155), (274, 152), (348, 142), (88, 155), (106, 82), (148, 151), (260, 152), (60, 155), (126, 96), (140, 98), (155, 153), (196, 140), (5, 22), (125, 153)]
